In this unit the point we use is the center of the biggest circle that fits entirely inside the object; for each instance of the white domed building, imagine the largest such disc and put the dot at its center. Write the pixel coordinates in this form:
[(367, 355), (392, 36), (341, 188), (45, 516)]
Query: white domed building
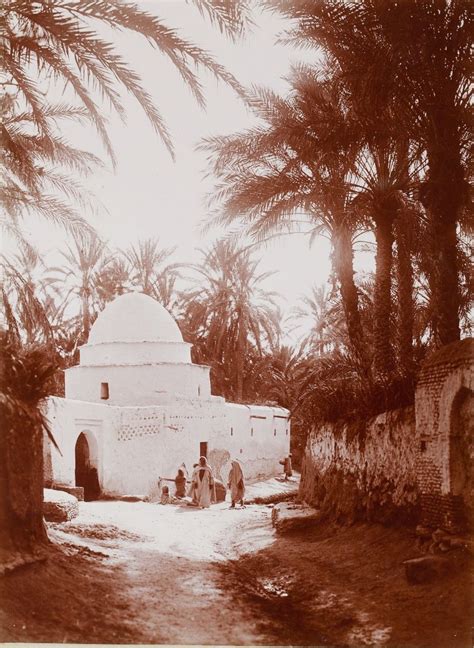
[(136, 408)]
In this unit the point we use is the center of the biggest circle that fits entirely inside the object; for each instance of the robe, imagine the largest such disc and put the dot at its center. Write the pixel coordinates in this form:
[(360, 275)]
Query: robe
[(204, 490), (236, 482)]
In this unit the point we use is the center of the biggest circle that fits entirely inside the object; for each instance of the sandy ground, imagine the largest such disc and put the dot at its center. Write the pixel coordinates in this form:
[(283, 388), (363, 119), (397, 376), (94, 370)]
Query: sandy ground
[(145, 573)]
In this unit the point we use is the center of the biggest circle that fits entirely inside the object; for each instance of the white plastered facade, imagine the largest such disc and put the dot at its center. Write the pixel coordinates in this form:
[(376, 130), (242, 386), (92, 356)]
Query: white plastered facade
[(145, 408)]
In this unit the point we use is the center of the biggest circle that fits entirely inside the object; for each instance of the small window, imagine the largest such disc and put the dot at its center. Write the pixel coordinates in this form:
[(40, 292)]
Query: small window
[(231, 431), (199, 390), (274, 432), (287, 433), (423, 446), (251, 432), (240, 450), (104, 390)]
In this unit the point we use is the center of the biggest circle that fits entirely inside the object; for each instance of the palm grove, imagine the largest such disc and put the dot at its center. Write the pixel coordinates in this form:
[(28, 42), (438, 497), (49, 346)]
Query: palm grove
[(372, 138)]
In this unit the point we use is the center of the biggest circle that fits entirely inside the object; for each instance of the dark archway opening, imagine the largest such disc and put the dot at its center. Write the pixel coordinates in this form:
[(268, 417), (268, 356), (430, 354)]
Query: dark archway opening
[(461, 455), (86, 470)]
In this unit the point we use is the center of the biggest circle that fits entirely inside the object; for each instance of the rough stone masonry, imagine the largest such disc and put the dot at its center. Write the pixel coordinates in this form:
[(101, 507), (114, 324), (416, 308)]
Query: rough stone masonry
[(405, 466)]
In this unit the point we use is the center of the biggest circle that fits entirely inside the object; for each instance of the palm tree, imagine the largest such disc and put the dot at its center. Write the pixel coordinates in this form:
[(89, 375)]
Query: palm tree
[(22, 310), (280, 376), (63, 43), (228, 313), (24, 383), (436, 93), (317, 308), (150, 272), (301, 159), (34, 167), (417, 55), (165, 288), (112, 279), (84, 259), (382, 178), (45, 38)]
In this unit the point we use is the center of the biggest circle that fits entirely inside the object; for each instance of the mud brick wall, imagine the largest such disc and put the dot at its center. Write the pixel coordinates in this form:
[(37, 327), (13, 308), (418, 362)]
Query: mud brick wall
[(365, 470)]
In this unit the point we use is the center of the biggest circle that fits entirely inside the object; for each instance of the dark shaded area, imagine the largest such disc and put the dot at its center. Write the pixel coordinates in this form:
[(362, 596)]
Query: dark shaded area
[(85, 473), (346, 586), (24, 375), (58, 601)]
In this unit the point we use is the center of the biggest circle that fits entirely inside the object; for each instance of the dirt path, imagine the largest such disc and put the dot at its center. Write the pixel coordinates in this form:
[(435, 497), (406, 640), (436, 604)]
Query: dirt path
[(145, 573), (137, 572), (172, 572)]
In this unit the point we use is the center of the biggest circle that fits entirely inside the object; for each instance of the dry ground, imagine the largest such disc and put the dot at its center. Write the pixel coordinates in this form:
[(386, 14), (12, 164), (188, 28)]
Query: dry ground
[(145, 573)]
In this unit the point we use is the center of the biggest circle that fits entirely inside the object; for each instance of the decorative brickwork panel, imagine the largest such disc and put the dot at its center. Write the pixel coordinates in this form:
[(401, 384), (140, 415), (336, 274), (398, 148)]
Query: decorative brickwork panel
[(140, 426)]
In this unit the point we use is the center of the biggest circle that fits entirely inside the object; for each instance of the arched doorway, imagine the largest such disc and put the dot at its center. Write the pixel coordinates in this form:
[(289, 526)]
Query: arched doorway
[(86, 469), (461, 452)]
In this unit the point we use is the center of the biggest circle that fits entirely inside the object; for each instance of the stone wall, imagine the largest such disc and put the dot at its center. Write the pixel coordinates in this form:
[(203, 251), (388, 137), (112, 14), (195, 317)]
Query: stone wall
[(412, 465), (364, 470)]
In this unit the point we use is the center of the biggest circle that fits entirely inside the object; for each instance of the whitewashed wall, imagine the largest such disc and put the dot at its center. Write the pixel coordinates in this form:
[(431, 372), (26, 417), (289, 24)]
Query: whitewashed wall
[(123, 353), (67, 420), (138, 384), (256, 436), (137, 445)]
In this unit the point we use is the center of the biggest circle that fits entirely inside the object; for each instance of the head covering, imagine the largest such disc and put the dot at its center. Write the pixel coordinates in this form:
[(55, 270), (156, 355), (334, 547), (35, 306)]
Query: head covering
[(203, 462), (238, 472)]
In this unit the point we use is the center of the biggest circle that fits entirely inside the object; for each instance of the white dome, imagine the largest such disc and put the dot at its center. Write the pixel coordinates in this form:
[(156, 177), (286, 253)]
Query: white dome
[(134, 317)]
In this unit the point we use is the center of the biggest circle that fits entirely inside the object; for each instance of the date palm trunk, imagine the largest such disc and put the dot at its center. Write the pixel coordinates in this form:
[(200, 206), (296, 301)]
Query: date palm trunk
[(383, 349), (22, 528), (344, 269), (240, 360), (405, 285), (446, 195), (86, 316)]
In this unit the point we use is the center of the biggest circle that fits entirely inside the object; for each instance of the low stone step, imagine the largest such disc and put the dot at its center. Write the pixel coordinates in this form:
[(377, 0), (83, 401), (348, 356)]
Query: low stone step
[(288, 516), (77, 491), (59, 506)]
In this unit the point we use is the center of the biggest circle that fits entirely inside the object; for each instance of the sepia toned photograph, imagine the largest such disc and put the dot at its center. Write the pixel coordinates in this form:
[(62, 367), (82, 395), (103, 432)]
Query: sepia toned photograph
[(236, 323)]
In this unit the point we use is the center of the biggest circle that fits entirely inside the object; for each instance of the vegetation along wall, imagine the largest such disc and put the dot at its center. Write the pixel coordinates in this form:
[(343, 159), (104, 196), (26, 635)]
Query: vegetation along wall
[(364, 469)]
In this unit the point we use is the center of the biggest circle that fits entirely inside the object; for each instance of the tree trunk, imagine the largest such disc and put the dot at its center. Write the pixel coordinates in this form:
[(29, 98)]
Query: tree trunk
[(344, 268), (241, 350), (383, 350), (22, 528), (405, 297), (86, 317), (445, 283), (445, 196)]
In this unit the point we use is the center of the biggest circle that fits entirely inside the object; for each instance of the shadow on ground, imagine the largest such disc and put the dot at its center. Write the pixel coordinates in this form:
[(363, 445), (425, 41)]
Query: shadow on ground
[(326, 586), (346, 587), (118, 591)]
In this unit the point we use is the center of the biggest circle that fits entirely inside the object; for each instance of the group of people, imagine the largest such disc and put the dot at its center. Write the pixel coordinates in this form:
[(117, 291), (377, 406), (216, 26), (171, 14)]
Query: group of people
[(202, 485)]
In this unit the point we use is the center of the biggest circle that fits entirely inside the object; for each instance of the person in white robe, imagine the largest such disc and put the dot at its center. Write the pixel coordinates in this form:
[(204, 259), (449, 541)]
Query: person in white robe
[(204, 487)]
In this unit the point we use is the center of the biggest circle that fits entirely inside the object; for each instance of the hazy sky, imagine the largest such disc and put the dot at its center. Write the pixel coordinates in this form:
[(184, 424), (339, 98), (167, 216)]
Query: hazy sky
[(149, 195)]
